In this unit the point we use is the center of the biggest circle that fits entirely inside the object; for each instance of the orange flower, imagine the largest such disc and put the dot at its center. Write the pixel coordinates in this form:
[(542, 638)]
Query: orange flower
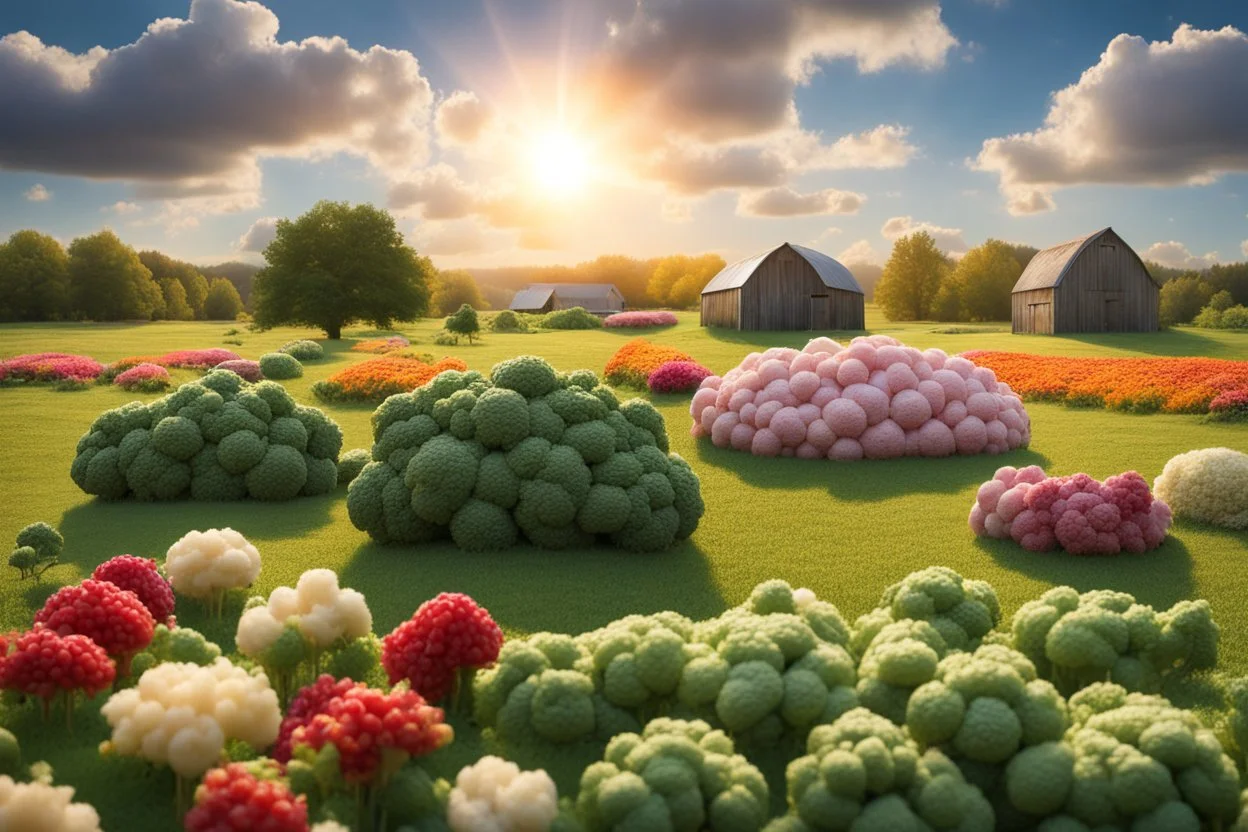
[(377, 378), (633, 363)]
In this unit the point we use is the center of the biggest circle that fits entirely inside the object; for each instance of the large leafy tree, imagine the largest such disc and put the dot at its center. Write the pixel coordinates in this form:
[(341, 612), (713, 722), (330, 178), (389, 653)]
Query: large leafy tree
[(176, 308), (223, 302), (452, 289), (195, 285), (337, 264), (108, 281), (34, 278), (911, 278), (984, 279), (464, 322), (677, 281), (1183, 297), (1230, 277)]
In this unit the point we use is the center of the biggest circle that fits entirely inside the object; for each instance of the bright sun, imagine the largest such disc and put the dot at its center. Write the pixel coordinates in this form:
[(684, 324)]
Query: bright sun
[(560, 163)]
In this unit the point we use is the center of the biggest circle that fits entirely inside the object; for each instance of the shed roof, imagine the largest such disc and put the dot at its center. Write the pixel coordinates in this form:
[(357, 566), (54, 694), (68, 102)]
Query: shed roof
[(831, 272), (1048, 267), (531, 299), (577, 291)]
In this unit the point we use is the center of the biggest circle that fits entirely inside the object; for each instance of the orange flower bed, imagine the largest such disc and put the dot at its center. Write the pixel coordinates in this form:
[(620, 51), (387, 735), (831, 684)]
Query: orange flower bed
[(1142, 385), (381, 345), (377, 378), (633, 363)]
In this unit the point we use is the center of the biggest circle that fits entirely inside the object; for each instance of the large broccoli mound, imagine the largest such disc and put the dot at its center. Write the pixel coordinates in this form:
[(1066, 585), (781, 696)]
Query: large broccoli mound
[(528, 451), (218, 438), (280, 365)]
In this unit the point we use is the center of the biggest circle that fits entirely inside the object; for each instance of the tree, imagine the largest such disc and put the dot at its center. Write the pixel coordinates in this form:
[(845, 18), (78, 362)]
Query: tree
[(1221, 301), (1163, 274), (464, 322), (223, 302), (1230, 277), (164, 267), (1023, 254), (452, 289), (677, 281), (175, 307), (985, 278), (1182, 298), (108, 281), (338, 264), (947, 305), (911, 278), (629, 275), (34, 278), (240, 274)]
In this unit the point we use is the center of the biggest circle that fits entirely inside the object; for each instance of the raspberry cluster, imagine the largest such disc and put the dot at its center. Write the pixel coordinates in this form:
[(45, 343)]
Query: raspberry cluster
[(308, 703), (447, 633), (364, 722), (112, 617), (43, 664), (140, 576), (233, 799)]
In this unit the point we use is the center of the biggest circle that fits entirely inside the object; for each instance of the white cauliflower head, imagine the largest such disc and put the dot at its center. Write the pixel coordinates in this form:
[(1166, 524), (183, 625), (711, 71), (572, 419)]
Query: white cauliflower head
[(494, 795), (202, 564), (325, 613), (181, 714), (1209, 485), (329, 826), (42, 807)]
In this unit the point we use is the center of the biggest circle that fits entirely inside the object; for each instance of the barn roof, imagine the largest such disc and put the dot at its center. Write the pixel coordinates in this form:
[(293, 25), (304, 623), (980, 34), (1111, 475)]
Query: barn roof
[(832, 273), (574, 292), (530, 299), (1048, 267)]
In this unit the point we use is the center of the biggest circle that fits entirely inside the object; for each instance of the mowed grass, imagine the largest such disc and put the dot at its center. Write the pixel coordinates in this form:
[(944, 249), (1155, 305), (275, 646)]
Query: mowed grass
[(844, 530)]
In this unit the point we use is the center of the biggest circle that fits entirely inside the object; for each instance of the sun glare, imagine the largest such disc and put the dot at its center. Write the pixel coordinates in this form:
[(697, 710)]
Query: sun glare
[(560, 163)]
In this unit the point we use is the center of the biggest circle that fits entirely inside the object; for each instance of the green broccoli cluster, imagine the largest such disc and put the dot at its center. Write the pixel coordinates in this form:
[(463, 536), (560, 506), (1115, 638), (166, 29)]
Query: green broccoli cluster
[(179, 644), (863, 773), (38, 549), (963, 611), (217, 438), (1075, 640), (528, 451), (280, 366), (676, 775), (303, 350), (351, 464), (901, 657), (1130, 760)]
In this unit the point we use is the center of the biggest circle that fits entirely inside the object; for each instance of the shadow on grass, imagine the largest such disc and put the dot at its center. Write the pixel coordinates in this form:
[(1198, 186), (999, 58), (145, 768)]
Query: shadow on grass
[(533, 589), (1167, 342), (760, 340), (868, 479)]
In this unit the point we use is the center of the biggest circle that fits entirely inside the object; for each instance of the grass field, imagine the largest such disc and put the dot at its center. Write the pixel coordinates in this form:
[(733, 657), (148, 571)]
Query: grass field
[(844, 530)]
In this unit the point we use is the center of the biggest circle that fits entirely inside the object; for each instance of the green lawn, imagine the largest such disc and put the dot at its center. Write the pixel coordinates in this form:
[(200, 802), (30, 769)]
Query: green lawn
[(844, 530)]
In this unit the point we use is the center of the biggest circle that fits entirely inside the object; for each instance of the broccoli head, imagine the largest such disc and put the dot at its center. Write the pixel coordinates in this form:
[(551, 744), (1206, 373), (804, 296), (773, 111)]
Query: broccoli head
[(280, 365)]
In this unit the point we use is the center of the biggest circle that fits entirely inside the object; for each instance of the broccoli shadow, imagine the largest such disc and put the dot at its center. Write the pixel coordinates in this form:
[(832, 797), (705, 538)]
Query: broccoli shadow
[(1167, 342), (530, 589), (868, 479), (762, 339)]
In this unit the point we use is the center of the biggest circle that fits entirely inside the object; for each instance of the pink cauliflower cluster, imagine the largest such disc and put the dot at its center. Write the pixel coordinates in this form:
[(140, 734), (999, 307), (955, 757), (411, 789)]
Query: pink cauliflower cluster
[(1077, 513), (142, 377), (640, 319), (876, 398), (677, 377), (50, 366), (245, 368)]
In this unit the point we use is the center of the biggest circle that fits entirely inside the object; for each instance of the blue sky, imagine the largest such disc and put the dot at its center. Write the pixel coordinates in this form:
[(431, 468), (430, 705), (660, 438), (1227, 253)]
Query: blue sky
[(914, 120)]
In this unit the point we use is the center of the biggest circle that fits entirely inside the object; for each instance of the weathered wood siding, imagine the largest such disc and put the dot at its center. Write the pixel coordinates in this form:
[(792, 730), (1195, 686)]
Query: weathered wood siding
[(1033, 311), (786, 293), (722, 309)]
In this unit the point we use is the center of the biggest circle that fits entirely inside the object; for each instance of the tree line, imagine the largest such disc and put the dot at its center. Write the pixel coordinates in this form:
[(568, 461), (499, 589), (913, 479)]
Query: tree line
[(1201, 297)]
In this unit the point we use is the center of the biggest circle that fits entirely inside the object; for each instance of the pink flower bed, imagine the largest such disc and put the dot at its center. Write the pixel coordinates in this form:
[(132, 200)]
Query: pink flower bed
[(876, 398), (677, 377), (197, 359), (1077, 513), (640, 319), (50, 366), (144, 376), (247, 369)]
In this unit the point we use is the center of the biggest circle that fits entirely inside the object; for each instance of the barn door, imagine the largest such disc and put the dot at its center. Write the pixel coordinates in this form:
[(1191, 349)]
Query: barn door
[(820, 312), (1113, 315)]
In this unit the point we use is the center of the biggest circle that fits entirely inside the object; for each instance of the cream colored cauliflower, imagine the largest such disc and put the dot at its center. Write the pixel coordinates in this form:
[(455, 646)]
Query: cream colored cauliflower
[(181, 714), (1209, 485), (494, 795), (324, 612), (42, 807), (206, 564), (329, 826)]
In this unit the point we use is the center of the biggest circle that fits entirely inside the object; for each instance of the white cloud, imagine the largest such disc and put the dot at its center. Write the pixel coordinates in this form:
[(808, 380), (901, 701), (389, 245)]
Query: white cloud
[(786, 202), (439, 193), (677, 210), (697, 169), (1162, 114), (461, 119), (947, 239), (1176, 255), (121, 206), (37, 193), (860, 251), (258, 236), (451, 238), (885, 146)]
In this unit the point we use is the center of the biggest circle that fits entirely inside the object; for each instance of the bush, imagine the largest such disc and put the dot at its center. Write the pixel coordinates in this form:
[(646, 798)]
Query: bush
[(245, 369), (633, 363), (574, 318), (640, 319), (304, 350), (527, 451), (677, 377), (1209, 486), (218, 438), (375, 379), (351, 464), (508, 321), (446, 338), (144, 378), (464, 322), (280, 366)]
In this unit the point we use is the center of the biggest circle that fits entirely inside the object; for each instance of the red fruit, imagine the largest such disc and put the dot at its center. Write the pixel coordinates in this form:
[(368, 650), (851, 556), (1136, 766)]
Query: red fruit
[(308, 703), (232, 799), (44, 664), (445, 634), (140, 576), (113, 618), (363, 722)]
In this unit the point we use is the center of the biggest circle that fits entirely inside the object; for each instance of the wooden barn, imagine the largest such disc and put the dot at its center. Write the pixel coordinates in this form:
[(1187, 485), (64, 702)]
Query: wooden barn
[(788, 287), (598, 298), (1096, 283)]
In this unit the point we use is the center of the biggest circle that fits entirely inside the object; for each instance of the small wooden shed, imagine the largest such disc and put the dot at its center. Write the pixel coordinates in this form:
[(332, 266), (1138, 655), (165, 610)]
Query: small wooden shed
[(1095, 283), (533, 300), (598, 298), (787, 287)]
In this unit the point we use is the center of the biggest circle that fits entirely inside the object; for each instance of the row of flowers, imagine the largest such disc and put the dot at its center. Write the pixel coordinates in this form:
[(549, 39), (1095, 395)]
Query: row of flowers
[(377, 378)]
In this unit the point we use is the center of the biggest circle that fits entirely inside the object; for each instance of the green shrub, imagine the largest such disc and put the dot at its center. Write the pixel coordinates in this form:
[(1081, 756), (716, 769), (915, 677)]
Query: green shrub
[(304, 350), (351, 464), (280, 366), (574, 318), (508, 321), (464, 322), (38, 549)]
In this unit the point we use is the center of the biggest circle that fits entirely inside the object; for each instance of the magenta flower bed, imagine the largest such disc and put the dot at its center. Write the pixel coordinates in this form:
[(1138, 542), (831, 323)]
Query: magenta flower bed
[(143, 377), (640, 319), (1230, 405), (248, 370), (50, 366), (677, 377), (197, 359)]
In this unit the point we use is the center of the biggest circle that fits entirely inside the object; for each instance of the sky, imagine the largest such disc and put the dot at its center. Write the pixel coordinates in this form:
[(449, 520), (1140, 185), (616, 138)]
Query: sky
[(520, 132)]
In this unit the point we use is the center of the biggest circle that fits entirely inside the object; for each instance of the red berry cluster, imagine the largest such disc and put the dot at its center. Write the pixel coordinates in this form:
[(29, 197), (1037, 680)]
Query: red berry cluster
[(113, 618), (445, 634), (309, 702), (140, 576), (364, 722), (232, 799), (44, 664)]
